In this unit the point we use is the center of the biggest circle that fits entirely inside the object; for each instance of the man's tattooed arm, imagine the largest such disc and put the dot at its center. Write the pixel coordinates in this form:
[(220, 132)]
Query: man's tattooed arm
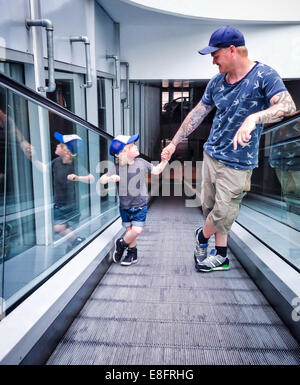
[(191, 122), (282, 105)]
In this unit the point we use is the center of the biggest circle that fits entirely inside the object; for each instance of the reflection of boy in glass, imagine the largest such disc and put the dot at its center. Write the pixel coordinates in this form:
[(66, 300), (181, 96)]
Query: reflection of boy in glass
[(65, 213)]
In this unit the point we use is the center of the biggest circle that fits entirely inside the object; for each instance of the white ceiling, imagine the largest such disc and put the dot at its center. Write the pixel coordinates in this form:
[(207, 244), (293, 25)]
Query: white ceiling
[(245, 12), (254, 10)]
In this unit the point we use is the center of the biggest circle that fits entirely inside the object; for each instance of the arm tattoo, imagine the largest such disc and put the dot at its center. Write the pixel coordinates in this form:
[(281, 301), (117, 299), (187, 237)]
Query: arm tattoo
[(282, 105), (191, 122)]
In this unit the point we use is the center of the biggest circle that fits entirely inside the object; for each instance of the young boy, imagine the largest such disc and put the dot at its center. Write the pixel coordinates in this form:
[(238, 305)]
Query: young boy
[(130, 173)]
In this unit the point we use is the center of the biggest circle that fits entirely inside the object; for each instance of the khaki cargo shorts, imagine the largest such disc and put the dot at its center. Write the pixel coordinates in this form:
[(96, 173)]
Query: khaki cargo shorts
[(223, 189)]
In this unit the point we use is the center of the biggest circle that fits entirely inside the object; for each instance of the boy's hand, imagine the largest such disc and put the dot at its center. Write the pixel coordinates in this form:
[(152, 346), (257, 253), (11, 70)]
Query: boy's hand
[(114, 178), (168, 151), (72, 177)]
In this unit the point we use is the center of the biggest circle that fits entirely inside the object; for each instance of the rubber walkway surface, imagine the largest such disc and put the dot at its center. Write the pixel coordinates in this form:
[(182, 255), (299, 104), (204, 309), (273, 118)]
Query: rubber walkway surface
[(162, 311)]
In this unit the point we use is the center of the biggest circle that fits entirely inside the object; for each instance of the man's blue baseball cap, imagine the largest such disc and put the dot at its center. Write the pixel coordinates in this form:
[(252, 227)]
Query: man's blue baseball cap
[(73, 142), (120, 141), (223, 37)]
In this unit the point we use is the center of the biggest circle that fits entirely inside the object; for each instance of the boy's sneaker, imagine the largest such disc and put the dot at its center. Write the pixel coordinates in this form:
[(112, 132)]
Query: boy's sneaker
[(77, 241), (120, 247), (213, 263), (131, 257), (74, 243), (200, 252)]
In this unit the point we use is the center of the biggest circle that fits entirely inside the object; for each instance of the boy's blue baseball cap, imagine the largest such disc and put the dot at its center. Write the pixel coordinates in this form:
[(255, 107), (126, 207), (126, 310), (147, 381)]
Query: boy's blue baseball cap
[(223, 37), (120, 141), (73, 142)]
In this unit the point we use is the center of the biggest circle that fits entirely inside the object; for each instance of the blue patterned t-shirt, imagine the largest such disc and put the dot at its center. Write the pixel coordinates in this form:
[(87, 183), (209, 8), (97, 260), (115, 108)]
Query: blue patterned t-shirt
[(234, 102)]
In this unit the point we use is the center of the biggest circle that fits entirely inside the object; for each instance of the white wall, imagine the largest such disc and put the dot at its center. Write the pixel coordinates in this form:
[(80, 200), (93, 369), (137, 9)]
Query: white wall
[(105, 41), (69, 18), (13, 33), (168, 49)]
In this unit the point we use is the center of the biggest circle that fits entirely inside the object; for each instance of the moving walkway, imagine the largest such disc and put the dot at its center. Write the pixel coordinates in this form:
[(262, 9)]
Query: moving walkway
[(161, 310)]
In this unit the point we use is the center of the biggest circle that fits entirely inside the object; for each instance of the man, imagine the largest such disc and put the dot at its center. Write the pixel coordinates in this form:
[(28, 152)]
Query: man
[(246, 95)]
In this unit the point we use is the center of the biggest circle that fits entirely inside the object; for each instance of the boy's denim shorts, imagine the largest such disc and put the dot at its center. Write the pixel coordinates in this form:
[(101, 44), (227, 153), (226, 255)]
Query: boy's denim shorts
[(135, 216)]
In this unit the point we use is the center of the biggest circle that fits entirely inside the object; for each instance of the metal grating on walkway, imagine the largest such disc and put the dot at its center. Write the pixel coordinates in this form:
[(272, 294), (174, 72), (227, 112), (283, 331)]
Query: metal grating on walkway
[(161, 311)]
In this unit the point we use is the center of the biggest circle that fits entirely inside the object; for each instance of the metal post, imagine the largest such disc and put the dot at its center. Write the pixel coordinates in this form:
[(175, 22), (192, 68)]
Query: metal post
[(86, 42), (127, 82), (46, 23), (116, 59)]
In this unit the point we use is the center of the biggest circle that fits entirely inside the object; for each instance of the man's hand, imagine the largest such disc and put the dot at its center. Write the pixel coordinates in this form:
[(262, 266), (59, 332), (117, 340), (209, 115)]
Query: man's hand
[(2, 118), (168, 151), (28, 149), (242, 135)]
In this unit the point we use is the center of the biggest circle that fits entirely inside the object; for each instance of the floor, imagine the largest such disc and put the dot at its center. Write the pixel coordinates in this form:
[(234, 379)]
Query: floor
[(162, 311)]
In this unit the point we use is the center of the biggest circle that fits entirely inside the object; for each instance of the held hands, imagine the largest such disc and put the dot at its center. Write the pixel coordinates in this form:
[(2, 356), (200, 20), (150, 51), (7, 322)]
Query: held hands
[(168, 151), (242, 135)]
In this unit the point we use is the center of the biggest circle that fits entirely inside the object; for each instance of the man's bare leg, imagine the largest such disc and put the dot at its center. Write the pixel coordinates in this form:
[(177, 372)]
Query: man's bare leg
[(209, 230)]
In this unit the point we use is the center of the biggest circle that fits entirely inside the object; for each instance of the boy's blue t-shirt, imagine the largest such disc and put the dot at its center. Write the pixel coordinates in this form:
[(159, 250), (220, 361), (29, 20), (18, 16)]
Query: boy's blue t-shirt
[(132, 186), (234, 102)]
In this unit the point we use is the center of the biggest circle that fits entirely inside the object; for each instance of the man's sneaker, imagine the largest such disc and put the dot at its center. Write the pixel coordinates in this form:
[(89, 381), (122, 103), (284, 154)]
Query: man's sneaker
[(120, 247), (200, 252), (131, 257), (213, 262)]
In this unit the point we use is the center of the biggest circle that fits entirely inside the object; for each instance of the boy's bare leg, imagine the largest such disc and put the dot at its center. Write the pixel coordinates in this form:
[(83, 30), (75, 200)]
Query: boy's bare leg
[(63, 230), (131, 235)]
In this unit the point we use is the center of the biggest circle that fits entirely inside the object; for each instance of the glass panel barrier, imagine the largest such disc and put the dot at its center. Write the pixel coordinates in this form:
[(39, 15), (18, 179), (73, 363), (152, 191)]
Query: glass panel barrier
[(275, 193), (50, 196), (3, 146)]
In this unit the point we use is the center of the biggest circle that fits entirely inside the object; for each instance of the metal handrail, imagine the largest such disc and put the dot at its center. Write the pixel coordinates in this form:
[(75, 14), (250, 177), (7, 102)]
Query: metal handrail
[(46, 23), (285, 121), (30, 94), (86, 41)]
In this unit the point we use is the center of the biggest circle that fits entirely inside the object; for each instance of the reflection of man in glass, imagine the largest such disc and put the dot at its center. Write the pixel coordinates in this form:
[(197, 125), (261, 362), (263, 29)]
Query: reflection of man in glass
[(285, 158), (9, 133), (65, 213)]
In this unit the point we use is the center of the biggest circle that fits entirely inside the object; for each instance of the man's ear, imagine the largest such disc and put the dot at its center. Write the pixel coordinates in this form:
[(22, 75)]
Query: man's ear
[(233, 49)]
